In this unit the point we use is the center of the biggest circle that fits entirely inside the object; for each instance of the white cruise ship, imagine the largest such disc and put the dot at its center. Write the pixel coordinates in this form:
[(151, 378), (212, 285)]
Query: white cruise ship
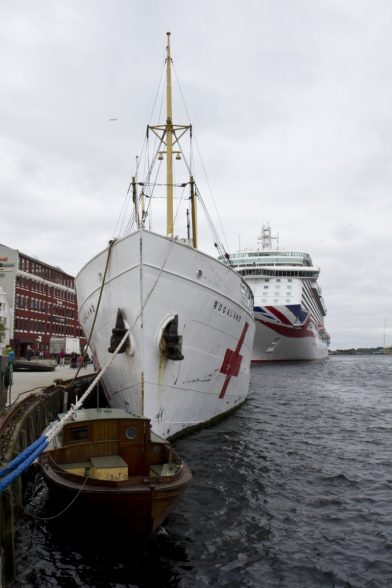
[(289, 308)]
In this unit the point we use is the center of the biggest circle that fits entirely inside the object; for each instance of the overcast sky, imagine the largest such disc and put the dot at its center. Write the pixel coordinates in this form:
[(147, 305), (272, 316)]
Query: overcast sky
[(290, 101)]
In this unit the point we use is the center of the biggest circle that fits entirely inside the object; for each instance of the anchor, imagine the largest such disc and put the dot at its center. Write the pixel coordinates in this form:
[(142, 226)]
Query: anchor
[(118, 333), (171, 341)]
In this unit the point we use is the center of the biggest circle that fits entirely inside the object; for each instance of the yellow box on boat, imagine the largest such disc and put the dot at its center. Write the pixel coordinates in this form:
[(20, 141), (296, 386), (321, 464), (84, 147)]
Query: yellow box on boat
[(110, 467), (79, 469)]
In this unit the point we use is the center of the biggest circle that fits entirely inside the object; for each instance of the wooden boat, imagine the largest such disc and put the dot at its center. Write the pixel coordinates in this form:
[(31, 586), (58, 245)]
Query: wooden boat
[(120, 471)]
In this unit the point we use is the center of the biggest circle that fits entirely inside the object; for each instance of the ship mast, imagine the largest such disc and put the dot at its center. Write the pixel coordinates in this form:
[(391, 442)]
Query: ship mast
[(169, 135), (266, 238), (169, 142)]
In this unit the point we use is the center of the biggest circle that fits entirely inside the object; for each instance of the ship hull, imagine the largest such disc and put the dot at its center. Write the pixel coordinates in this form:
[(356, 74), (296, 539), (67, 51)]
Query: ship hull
[(152, 279), (281, 336)]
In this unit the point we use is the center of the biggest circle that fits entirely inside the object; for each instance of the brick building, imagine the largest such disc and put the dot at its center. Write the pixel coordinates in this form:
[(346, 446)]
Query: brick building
[(42, 303)]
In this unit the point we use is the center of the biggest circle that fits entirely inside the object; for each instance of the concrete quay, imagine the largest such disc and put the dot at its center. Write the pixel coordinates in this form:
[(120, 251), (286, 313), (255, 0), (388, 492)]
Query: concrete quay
[(28, 382)]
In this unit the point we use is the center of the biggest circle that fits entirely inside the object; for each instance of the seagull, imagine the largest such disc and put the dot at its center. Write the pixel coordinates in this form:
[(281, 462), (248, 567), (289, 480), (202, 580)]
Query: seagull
[(112, 119)]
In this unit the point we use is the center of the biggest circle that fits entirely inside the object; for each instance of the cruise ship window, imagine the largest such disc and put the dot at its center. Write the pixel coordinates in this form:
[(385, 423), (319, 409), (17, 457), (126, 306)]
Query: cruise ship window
[(288, 287), (265, 287), (276, 299), (287, 299)]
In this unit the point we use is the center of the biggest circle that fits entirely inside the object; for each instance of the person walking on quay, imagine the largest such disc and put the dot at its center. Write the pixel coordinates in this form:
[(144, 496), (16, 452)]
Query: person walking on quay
[(9, 371), (74, 361), (62, 358)]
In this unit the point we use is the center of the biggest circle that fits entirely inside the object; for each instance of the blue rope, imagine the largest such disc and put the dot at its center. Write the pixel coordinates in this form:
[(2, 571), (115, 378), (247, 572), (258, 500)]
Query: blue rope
[(22, 456), (7, 480)]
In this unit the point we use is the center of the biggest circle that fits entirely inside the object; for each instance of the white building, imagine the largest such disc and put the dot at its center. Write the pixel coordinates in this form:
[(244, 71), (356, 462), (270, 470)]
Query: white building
[(5, 319)]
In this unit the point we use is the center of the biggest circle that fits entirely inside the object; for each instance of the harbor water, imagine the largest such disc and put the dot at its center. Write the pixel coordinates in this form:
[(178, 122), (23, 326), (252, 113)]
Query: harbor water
[(293, 490)]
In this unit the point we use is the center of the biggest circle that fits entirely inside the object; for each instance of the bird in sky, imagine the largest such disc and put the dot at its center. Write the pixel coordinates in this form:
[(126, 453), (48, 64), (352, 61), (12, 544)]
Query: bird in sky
[(112, 119)]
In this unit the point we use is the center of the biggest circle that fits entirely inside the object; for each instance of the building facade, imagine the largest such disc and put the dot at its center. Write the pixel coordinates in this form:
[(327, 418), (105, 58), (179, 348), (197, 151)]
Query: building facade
[(42, 306), (5, 321)]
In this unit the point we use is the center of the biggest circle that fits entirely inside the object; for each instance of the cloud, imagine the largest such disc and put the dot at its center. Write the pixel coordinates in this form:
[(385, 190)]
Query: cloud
[(290, 104)]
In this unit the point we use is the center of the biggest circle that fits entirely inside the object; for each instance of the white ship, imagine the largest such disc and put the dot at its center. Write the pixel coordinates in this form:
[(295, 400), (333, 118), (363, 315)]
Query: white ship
[(289, 308), (185, 318)]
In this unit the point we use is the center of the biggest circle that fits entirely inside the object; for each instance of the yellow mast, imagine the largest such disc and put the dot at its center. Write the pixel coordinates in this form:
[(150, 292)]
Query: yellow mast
[(194, 213), (134, 199), (169, 136), (169, 142)]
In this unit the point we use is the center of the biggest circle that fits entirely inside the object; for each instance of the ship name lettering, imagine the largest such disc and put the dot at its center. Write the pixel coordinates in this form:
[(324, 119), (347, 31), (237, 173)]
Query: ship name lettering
[(226, 310), (89, 312)]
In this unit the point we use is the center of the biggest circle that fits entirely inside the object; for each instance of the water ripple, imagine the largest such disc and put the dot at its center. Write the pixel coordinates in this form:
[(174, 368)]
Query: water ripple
[(294, 490)]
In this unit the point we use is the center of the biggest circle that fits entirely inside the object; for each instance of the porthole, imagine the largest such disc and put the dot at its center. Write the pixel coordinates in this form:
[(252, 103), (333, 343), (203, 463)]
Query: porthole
[(131, 433)]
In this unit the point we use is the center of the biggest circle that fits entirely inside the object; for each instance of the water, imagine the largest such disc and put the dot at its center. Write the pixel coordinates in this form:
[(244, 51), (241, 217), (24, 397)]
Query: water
[(293, 490)]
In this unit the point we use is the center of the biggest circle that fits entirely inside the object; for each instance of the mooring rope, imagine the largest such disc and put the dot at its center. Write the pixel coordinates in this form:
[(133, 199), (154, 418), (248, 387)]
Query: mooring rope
[(30, 514), (111, 243)]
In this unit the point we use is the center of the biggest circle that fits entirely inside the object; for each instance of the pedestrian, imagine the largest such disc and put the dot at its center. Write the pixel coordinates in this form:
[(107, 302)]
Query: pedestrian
[(74, 361), (10, 353), (62, 358), (9, 371)]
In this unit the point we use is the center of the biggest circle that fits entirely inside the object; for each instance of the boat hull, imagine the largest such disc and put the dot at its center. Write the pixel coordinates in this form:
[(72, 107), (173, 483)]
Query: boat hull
[(21, 365), (152, 279), (277, 338), (139, 508)]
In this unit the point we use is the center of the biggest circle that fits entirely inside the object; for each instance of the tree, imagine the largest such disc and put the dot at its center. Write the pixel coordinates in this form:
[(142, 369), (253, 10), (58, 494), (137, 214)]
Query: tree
[(2, 331)]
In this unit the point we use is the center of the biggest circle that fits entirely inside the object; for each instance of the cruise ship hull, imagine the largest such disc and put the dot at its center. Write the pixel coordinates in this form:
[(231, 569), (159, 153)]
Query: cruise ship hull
[(287, 333), (152, 279)]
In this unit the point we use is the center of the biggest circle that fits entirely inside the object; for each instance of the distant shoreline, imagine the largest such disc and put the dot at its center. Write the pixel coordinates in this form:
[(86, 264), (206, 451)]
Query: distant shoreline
[(363, 351)]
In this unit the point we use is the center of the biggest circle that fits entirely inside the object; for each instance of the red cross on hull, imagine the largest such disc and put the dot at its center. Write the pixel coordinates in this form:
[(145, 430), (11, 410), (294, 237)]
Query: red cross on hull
[(232, 362)]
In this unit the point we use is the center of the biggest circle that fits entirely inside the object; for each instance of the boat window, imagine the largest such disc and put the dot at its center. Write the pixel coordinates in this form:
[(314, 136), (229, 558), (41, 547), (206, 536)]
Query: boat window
[(78, 433), (131, 433)]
